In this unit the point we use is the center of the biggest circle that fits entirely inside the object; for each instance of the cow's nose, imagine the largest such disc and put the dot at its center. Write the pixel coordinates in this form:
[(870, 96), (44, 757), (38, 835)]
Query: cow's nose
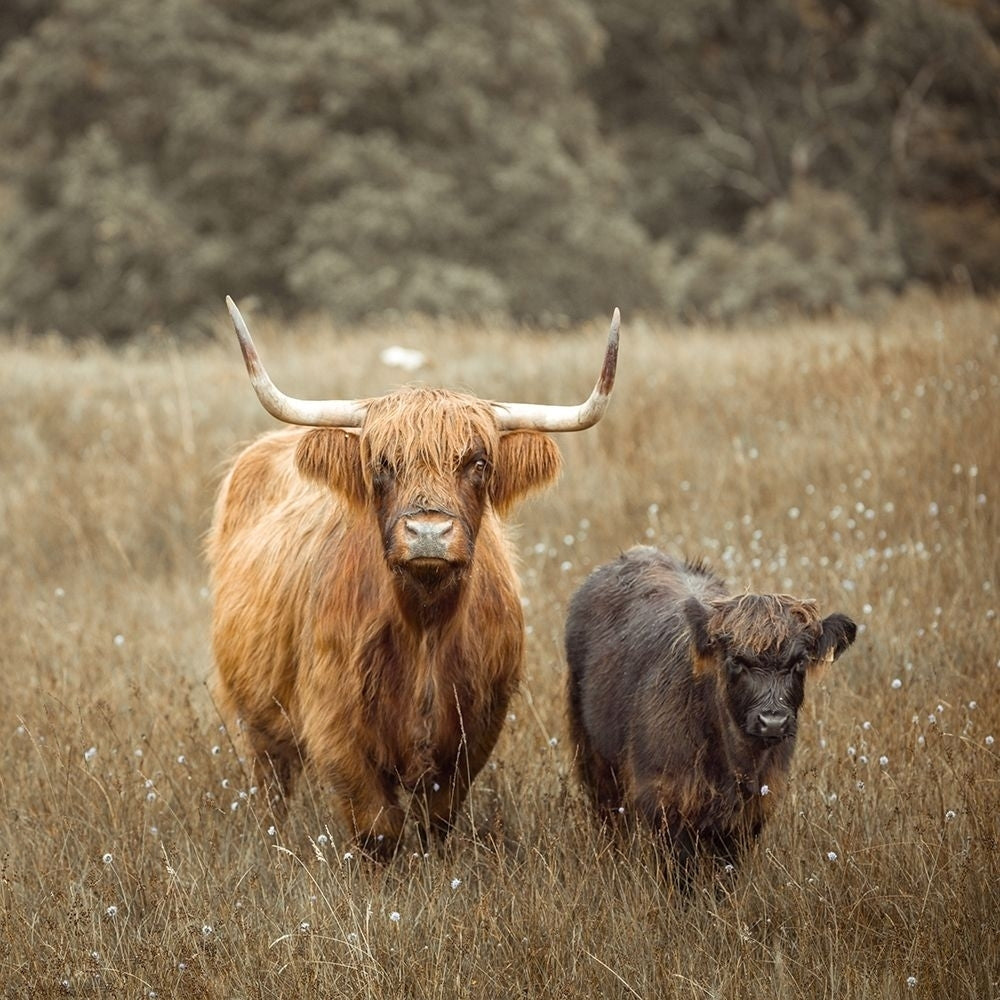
[(428, 539), (773, 725)]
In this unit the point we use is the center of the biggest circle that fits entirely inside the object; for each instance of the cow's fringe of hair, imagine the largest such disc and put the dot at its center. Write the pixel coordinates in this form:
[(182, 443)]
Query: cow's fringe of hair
[(427, 426)]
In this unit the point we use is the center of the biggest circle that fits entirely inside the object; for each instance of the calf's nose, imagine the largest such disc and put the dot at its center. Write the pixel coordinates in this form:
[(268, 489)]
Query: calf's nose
[(773, 725)]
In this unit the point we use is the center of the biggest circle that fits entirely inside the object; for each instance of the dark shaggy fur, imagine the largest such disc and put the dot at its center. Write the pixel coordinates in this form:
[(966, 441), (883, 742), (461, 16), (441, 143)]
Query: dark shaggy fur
[(683, 699)]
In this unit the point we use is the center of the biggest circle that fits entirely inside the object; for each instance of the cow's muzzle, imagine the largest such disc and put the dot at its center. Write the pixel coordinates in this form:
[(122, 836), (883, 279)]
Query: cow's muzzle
[(428, 536), (428, 542)]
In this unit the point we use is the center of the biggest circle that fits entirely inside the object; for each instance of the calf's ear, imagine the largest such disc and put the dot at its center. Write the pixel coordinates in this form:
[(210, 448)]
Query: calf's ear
[(703, 648), (838, 633), (525, 461), (333, 457)]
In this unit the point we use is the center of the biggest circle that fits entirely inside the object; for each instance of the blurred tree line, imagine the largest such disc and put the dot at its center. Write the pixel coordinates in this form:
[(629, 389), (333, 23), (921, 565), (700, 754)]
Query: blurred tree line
[(541, 161)]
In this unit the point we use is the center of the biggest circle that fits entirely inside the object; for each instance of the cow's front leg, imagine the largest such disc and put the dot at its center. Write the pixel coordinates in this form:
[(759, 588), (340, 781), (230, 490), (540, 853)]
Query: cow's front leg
[(446, 793), (274, 764), (369, 810), (442, 800)]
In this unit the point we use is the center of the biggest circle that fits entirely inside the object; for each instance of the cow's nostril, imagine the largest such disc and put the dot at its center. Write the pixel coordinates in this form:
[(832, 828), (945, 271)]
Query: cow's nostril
[(428, 529)]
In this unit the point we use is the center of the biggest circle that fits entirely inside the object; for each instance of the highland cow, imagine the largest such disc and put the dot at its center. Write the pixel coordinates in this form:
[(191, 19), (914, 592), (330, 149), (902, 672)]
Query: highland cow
[(367, 617), (683, 700)]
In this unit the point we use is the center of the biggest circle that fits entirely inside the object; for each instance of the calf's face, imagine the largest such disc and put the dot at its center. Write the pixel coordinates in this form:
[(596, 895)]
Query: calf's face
[(760, 647)]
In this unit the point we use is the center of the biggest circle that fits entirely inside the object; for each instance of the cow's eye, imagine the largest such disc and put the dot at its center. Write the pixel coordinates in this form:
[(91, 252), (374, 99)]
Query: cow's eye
[(477, 466), (735, 666), (384, 475)]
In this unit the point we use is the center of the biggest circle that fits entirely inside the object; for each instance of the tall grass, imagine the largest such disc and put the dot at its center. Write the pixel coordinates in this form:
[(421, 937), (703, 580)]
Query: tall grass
[(855, 462)]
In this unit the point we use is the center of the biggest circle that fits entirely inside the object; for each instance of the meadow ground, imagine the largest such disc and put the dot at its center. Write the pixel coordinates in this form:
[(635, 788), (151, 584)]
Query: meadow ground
[(852, 461)]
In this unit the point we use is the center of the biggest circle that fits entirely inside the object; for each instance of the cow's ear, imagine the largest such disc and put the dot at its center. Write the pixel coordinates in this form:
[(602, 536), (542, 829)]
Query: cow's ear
[(525, 461), (332, 456), (838, 633), (703, 648)]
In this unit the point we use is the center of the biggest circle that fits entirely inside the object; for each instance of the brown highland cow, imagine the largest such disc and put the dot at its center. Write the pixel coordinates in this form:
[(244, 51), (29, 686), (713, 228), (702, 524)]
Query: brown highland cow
[(683, 699), (367, 617)]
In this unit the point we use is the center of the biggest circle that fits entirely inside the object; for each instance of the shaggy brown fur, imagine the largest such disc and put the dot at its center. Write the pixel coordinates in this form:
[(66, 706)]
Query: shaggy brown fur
[(337, 639), (683, 700)]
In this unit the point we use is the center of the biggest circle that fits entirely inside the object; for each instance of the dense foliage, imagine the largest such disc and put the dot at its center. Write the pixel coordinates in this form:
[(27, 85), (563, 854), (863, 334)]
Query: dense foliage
[(538, 161)]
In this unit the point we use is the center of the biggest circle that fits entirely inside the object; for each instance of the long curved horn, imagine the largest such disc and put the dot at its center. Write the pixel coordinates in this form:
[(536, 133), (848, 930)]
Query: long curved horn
[(543, 417), (350, 413), (313, 412)]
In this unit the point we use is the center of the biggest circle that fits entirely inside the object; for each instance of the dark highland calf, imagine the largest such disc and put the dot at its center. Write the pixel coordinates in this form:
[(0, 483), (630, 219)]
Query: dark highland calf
[(683, 699), (367, 617)]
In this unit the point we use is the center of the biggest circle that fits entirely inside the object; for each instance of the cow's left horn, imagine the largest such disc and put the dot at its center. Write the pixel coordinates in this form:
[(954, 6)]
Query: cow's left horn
[(543, 417), (312, 412)]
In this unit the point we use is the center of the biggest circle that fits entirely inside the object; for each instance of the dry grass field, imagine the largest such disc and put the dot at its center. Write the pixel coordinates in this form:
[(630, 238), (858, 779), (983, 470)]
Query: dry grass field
[(855, 462)]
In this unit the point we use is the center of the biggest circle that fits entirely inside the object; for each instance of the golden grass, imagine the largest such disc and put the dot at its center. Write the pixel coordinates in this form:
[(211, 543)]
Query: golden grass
[(854, 462)]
